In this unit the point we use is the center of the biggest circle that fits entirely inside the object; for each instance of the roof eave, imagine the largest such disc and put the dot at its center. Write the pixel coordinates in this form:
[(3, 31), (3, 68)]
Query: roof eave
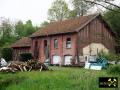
[(78, 29)]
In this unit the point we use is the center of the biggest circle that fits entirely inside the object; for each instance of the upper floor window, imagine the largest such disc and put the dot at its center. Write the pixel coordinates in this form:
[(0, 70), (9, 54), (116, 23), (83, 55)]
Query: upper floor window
[(68, 43), (55, 43)]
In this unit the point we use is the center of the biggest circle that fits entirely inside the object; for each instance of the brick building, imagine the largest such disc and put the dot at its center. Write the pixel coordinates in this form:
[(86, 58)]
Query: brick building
[(76, 39)]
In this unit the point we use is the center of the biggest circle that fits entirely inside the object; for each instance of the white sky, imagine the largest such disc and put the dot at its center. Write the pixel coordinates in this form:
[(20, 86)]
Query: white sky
[(35, 10)]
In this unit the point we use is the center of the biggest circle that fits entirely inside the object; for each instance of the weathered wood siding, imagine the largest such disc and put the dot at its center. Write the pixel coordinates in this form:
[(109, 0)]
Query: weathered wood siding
[(96, 32), (17, 51)]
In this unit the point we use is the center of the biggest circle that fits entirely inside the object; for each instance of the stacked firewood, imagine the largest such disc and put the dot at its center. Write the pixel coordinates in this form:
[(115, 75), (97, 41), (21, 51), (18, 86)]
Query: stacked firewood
[(24, 66)]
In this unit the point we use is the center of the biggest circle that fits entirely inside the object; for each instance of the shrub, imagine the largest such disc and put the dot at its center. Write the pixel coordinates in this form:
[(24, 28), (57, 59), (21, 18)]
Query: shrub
[(110, 56), (6, 53), (25, 56), (114, 69)]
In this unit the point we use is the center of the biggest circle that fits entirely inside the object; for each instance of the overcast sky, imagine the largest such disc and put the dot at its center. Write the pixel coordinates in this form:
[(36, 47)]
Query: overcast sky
[(35, 10)]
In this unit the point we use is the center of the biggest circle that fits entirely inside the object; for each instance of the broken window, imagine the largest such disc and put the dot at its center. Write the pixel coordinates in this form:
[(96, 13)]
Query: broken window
[(55, 43), (68, 43)]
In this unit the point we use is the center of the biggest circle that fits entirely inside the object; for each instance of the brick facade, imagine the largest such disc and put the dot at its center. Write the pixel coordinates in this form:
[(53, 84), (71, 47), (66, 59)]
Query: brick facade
[(61, 50), (82, 32), (95, 31)]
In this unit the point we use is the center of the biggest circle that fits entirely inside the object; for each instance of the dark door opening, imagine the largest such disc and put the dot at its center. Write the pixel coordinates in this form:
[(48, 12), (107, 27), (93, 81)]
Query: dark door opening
[(36, 50), (46, 49)]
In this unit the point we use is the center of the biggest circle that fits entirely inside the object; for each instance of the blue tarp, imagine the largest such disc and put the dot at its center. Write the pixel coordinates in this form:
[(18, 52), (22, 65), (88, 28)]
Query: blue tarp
[(100, 62)]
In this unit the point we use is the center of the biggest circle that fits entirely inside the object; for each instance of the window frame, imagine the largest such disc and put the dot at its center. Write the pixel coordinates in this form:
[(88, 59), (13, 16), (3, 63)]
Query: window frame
[(68, 42), (55, 43)]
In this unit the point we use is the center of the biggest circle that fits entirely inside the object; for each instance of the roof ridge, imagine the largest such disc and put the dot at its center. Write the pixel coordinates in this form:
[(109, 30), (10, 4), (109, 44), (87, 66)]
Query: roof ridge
[(65, 26)]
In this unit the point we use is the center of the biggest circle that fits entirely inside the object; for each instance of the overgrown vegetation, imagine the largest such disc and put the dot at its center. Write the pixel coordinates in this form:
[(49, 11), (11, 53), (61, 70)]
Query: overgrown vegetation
[(10, 32), (110, 56), (6, 53), (59, 79), (114, 69), (113, 19), (7, 81)]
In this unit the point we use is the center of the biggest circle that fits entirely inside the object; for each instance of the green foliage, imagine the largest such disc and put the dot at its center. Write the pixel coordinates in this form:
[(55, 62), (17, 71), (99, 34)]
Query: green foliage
[(9, 32), (114, 69), (7, 54), (44, 24), (6, 33), (25, 56), (72, 14), (59, 79), (19, 29), (81, 7), (10, 80), (58, 11), (109, 56), (113, 19), (28, 27), (23, 30)]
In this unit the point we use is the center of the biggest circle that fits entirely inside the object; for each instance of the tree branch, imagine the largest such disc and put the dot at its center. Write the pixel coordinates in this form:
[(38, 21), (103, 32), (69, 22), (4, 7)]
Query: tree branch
[(92, 2), (111, 4)]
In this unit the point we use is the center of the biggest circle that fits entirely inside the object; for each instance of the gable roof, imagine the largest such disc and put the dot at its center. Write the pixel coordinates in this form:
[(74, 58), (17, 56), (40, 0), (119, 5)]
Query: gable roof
[(66, 26), (23, 42)]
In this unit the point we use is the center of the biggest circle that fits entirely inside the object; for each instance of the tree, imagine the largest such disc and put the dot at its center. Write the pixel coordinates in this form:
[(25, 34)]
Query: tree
[(23, 30), (113, 19), (72, 14), (44, 24), (80, 7), (19, 29), (107, 4), (6, 32), (58, 11), (29, 29)]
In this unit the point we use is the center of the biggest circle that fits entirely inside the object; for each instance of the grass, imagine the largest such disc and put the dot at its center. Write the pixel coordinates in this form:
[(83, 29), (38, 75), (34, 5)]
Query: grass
[(59, 79)]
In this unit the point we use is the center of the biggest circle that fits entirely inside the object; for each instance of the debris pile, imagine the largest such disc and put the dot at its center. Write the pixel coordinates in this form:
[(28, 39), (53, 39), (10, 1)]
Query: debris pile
[(14, 66)]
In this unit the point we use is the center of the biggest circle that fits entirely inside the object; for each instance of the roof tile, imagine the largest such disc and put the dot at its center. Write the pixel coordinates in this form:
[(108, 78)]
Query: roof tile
[(65, 26), (24, 42)]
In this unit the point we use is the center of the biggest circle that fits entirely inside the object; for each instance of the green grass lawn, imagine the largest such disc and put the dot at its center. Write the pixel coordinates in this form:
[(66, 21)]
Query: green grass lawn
[(60, 78)]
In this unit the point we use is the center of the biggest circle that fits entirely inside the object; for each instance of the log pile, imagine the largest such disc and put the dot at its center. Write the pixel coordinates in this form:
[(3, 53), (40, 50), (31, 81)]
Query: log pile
[(24, 66)]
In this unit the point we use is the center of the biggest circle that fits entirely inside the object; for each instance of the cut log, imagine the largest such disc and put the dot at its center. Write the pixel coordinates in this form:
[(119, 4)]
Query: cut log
[(26, 66)]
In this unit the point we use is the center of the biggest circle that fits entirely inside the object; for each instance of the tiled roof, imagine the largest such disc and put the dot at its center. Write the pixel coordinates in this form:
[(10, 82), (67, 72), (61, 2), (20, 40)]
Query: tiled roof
[(65, 26), (23, 42)]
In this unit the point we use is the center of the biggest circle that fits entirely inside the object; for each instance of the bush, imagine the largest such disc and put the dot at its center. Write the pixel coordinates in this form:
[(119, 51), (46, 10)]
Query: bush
[(110, 56), (114, 69), (25, 56), (6, 53)]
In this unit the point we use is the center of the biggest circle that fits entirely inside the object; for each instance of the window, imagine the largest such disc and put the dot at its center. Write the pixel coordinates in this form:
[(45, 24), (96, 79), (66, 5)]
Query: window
[(55, 43), (45, 43), (68, 43), (45, 46), (46, 49), (36, 50)]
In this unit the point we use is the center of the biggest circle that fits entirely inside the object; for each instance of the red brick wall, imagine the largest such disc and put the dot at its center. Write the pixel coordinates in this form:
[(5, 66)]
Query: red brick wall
[(61, 50), (95, 32)]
